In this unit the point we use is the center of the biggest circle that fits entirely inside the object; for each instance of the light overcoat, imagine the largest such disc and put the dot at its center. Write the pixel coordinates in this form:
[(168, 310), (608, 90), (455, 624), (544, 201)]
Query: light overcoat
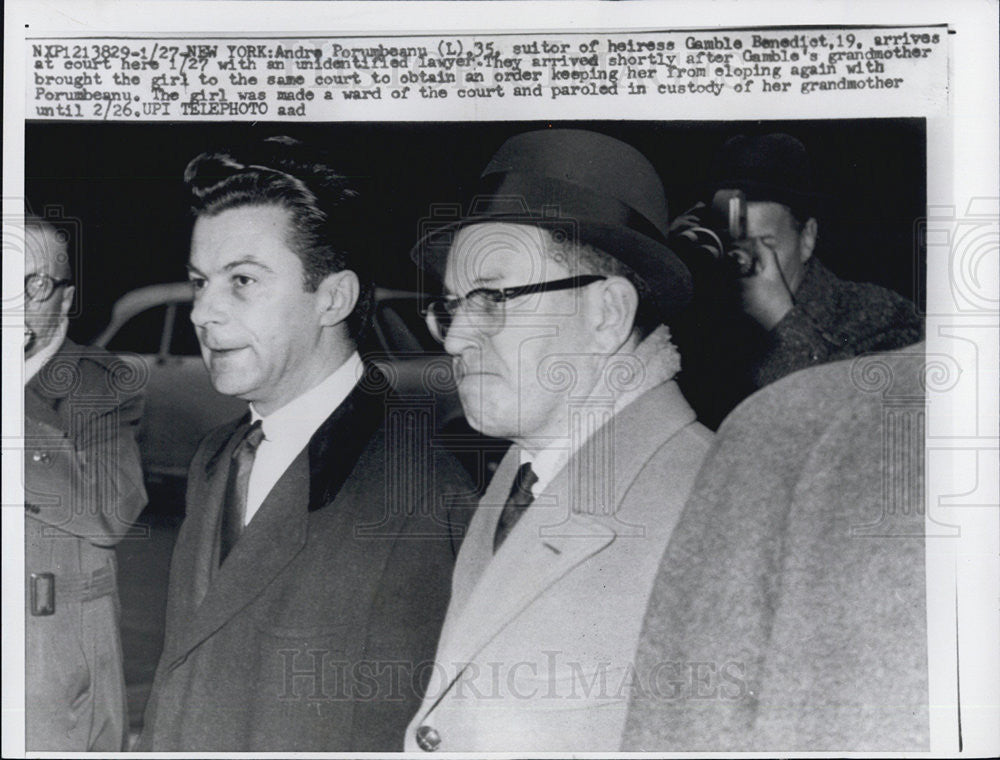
[(83, 489), (536, 650)]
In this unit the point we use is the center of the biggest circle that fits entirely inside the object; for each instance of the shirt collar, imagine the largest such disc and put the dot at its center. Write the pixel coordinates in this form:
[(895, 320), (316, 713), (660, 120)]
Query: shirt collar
[(546, 464), (301, 416), (653, 362)]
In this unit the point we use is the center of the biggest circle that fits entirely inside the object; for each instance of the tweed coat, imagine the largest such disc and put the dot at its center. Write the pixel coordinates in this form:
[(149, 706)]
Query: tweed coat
[(835, 319), (310, 635), (536, 651), (83, 489), (791, 598), (832, 319)]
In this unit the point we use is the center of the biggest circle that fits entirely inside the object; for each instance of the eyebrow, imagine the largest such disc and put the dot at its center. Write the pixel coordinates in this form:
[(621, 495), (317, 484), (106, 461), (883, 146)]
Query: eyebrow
[(246, 261), (476, 284)]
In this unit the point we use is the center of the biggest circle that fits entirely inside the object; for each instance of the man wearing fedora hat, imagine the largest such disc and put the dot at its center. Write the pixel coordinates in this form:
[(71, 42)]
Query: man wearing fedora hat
[(557, 283), (809, 315)]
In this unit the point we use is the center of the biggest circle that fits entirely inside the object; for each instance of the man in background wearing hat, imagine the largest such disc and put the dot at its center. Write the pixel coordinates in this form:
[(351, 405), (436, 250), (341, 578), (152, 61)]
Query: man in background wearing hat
[(807, 315), (797, 569), (557, 284), (83, 489)]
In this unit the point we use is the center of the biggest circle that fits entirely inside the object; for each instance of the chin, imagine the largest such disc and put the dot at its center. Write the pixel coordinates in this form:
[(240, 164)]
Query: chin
[(491, 427), (487, 419), (230, 385), (490, 408)]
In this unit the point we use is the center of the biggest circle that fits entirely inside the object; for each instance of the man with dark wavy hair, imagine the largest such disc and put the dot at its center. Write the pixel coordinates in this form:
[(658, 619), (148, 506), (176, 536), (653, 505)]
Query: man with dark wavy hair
[(82, 491), (310, 577)]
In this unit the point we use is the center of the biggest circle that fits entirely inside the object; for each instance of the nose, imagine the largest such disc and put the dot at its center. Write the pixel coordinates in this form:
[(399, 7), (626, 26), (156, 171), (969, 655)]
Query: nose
[(462, 334), (208, 307)]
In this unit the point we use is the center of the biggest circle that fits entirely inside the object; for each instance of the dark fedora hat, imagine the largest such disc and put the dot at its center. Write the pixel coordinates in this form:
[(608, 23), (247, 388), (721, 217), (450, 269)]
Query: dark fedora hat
[(773, 167), (580, 185)]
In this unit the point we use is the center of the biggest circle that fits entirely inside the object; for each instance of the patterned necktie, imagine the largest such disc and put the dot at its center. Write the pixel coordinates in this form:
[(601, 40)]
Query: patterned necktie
[(235, 505), (519, 500)]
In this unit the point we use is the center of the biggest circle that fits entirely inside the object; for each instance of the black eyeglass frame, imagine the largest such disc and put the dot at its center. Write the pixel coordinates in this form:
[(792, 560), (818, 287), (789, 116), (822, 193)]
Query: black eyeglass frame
[(43, 293), (441, 311)]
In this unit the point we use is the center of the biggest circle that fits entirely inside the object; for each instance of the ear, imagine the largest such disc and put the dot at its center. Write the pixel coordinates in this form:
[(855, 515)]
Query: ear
[(67, 301), (807, 239), (337, 295), (618, 304)]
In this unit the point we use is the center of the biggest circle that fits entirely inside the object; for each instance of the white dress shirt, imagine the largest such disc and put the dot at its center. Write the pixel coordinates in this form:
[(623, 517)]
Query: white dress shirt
[(288, 429), (546, 464)]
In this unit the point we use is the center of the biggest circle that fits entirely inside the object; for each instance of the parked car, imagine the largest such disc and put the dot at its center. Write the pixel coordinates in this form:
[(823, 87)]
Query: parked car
[(181, 405)]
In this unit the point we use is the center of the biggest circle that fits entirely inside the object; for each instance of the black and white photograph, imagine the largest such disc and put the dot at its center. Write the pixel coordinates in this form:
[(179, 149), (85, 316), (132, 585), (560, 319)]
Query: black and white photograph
[(395, 393)]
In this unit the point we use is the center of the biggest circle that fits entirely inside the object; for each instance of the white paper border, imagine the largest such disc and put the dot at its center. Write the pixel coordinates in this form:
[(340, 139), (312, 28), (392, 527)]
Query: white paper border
[(962, 168)]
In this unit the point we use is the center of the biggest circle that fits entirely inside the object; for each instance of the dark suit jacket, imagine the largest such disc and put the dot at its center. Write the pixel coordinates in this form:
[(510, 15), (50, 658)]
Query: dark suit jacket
[(312, 634)]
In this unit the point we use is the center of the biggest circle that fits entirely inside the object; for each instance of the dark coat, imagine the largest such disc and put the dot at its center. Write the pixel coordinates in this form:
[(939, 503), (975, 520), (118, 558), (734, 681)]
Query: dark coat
[(728, 356), (835, 319), (82, 490), (311, 636)]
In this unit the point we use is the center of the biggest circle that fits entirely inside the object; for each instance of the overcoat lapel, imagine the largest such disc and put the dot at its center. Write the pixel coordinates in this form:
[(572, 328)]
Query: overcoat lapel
[(272, 539), (46, 392), (209, 493), (337, 445), (620, 449), (477, 546), (526, 565), (567, 524), (277, 533)]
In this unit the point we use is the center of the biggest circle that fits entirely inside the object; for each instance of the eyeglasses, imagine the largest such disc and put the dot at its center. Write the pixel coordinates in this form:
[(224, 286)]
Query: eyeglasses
[(40, 287), (486, 305)]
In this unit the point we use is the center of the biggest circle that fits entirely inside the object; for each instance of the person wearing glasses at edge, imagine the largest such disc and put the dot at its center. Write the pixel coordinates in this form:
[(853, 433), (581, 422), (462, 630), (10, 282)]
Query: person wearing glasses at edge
[(83, 489), (558, 283)]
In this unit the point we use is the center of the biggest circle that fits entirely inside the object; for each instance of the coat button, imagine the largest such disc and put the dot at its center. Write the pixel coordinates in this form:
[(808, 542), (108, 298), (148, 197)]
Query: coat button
[(40, 456), (428, 739)]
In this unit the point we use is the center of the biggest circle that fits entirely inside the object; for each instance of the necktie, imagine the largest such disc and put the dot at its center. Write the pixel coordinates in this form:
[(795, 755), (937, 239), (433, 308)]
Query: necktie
[(235, 505), (519, 500)]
